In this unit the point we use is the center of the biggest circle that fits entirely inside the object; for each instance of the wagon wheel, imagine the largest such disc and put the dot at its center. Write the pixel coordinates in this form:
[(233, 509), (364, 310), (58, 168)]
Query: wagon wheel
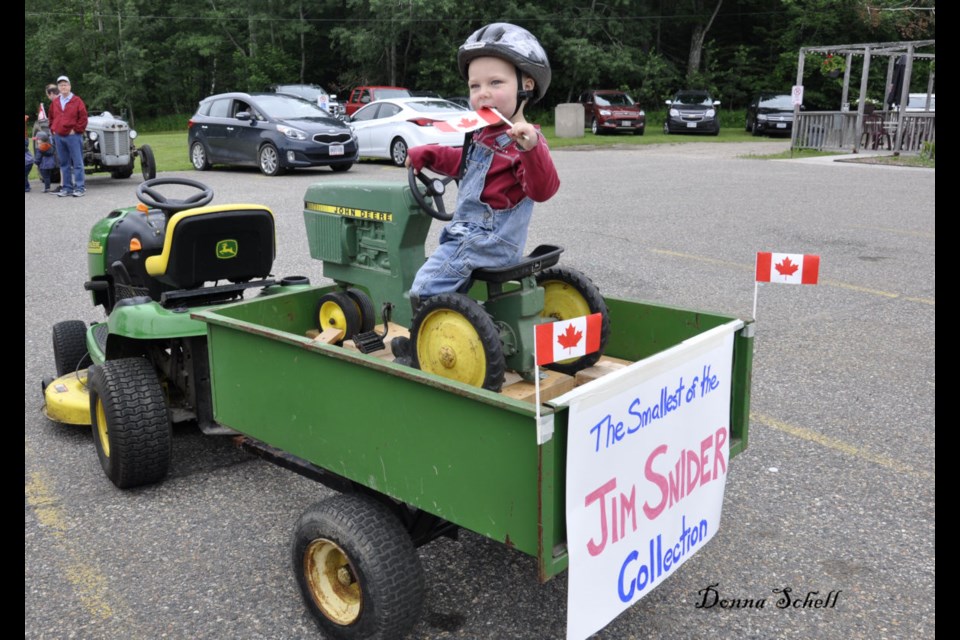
[(131, 424), (568, 293), (357, 569), (337, 310), (454, 337), (368, 315), (70, 346)]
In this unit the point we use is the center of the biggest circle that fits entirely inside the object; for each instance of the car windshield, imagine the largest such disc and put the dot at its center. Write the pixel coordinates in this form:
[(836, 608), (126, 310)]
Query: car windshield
[(434, 106), (693, 98), (289, 108), (392, 93), (776, 102), (306, 91), (613, 99)]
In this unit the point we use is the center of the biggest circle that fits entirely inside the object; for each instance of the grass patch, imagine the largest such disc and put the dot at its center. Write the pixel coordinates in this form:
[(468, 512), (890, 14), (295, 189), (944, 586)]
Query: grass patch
[(795, 154), (169, 150), (897, 161)]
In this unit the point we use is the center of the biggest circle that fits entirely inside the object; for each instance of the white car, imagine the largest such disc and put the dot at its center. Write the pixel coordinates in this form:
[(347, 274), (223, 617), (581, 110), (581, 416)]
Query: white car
[(387, 128), (918, 102)]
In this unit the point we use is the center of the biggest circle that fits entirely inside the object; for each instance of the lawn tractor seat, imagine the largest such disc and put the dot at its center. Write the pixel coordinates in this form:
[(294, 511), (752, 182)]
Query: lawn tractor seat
[(228, 242)]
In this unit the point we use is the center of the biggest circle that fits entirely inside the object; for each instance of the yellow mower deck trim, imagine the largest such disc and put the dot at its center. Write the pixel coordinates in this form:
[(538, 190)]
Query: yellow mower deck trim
[(66, 399)]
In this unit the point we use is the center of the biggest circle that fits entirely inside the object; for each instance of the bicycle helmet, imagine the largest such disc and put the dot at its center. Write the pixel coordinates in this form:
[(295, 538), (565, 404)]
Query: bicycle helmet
[(514, 44)]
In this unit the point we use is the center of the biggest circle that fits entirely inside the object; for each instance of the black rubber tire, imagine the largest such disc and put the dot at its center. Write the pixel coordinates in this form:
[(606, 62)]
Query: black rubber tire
[(398, 151), (70, 346), (441, 336), (569, 294), (639, 132), (198, 156), (357, 539), (268, 159), (338, 310), (368, 315), (666, 130), (148, 163), (595, 127), (716, 133), (130, 422), (342, 167)]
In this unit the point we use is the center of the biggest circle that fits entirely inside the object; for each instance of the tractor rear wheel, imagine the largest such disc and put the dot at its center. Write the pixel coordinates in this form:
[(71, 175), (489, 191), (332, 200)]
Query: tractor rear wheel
[(131, 423), (568, 293), (454, 337), (357, 569)]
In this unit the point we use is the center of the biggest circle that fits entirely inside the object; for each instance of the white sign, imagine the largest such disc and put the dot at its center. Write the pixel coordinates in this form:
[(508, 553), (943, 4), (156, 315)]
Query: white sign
[(797, 94), (647, 455)]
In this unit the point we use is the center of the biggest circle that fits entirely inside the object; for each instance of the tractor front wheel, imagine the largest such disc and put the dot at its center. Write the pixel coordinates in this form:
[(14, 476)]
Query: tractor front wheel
[(339, 310), (357, 569), (131, 424), (70, 346)]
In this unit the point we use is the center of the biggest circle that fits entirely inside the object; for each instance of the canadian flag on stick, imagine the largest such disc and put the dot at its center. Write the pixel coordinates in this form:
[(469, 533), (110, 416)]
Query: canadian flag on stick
[(568, 338), (787, 268), (42, 113), (469, 121)]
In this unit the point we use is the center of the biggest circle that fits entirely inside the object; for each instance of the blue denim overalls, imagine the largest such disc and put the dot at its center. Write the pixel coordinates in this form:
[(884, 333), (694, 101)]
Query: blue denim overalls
[(478, 236)]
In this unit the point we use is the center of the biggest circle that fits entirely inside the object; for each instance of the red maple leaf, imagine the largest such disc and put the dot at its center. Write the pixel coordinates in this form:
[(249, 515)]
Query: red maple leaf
[(786, 268), (466, 124), (570, 338)]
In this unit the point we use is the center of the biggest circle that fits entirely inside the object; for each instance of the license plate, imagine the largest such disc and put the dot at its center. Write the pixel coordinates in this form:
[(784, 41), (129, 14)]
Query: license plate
[(626, 123), (336, 149), (781, 125), (691, 125)]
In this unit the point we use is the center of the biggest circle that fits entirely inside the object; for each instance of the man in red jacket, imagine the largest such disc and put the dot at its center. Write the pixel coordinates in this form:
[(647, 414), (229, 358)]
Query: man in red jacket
[(68, 121)]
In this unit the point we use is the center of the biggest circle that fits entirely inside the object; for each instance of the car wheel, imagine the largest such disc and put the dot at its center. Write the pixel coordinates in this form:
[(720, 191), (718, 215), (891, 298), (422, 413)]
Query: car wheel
[(638, 132), (398, 151), (343, 166), (268, 158), (716, 133), (754, 129), (666, 129), (148, 164), (747, 127), (198, 157), (594, 127)]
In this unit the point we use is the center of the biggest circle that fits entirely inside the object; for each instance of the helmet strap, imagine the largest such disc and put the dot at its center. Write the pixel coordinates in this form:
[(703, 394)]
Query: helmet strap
[(523, 95)]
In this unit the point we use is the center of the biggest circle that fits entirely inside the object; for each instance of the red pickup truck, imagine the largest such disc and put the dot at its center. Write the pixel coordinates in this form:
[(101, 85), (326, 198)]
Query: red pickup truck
[(361, 96)]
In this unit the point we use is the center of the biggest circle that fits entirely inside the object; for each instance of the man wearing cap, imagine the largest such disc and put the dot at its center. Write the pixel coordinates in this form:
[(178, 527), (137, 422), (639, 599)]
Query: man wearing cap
[(68, 121)]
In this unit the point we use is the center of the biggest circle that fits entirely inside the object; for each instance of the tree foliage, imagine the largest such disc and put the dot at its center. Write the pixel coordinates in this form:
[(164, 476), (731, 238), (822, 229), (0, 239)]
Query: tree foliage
[(154, 57)]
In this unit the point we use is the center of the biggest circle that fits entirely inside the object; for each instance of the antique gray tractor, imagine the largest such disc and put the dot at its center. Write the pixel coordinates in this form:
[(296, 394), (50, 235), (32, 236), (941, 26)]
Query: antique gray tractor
[(108, 145)]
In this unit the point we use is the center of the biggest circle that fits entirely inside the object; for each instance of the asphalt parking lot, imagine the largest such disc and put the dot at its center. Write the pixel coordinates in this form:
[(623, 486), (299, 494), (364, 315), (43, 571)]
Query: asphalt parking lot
[(836, 491)]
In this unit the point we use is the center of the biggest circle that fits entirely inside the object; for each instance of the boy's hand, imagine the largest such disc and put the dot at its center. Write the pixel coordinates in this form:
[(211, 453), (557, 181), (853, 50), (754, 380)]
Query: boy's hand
[(524, 135)]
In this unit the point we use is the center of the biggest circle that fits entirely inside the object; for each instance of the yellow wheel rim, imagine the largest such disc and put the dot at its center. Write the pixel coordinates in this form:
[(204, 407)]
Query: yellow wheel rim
[(332, 316), (332, 581), (102, 429), (562, 301), (449, 346)]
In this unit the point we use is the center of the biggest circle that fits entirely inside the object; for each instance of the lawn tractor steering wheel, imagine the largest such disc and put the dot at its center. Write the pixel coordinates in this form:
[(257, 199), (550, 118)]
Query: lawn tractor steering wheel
[(148, 195), (435, 188)]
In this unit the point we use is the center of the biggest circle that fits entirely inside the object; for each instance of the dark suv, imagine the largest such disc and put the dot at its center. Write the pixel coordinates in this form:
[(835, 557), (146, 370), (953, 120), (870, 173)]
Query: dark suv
[(692, 112), (608, 110), (770, 113)]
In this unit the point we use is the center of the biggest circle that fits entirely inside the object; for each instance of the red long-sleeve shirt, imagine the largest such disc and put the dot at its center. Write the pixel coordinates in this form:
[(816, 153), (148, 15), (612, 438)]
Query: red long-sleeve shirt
[(70, 118)]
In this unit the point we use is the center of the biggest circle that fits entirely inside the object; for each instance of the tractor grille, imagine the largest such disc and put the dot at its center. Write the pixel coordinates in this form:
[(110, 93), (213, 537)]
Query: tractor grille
[(332, 138), (115, 143)]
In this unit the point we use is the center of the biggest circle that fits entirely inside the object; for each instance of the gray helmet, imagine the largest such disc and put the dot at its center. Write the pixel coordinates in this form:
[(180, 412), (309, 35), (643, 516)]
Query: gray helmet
[(512, 43)]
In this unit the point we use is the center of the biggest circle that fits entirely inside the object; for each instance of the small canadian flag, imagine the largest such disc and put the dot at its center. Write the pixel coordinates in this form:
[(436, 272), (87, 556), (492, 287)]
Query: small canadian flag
[(568, 338), (468, 121), (787, 268), (42, 113)]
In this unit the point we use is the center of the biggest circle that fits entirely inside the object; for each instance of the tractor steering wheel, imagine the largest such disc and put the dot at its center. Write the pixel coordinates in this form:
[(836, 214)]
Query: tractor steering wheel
[(435, 188), (148, 195)]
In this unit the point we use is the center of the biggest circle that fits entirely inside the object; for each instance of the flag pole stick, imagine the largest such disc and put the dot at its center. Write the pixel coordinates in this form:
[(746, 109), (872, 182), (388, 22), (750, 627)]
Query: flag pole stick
[(756, 286)]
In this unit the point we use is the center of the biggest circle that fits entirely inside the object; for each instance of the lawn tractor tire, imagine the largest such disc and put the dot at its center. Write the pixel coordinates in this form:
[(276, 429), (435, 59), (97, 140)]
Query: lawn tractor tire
[(368, 315), (568, 293), (130, 422), (70, 346), (454, 337), (357, 569), (338, 310)]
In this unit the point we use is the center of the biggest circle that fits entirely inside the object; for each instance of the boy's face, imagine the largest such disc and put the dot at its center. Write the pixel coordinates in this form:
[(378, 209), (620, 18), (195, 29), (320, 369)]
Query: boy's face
[(493, 83)]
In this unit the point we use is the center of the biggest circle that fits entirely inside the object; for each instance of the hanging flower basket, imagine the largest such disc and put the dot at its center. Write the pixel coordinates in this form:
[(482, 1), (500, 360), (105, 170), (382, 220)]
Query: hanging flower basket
[(833, 66)]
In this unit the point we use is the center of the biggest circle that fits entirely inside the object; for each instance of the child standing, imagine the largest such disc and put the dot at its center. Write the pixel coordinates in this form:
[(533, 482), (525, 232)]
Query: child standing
[(503, 169), (45, 159)]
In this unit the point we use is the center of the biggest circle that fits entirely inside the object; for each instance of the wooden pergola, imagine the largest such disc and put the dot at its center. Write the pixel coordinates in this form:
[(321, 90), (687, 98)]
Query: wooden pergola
[(850, 121)]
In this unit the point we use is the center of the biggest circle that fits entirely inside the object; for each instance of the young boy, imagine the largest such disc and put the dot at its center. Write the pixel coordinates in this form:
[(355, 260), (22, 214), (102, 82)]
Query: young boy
[(45, 159), (503, 169)]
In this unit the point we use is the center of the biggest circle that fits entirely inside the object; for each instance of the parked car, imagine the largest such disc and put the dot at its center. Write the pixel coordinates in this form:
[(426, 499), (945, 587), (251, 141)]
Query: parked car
[(362, 96), (272, 131), (313, 93), (388, 128), (692, 112), (611, 111), (918, 102), (463, 101), (770, 113)]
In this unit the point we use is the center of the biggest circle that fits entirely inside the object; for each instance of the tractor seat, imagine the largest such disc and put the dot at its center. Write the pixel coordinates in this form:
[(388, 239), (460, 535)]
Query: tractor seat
[(228, 242), (543, 257)]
